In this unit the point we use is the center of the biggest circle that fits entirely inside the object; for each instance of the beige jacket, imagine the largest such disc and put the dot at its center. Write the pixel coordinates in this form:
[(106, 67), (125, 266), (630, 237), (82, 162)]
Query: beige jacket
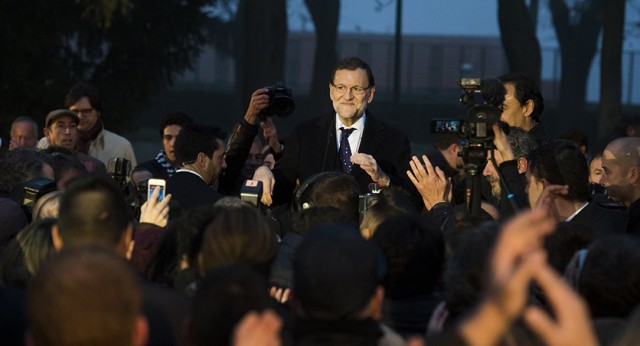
[(107, 145)]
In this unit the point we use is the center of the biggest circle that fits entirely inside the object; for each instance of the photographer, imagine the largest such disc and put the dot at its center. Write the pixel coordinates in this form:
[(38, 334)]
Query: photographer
[(523, 105), (242, 140)]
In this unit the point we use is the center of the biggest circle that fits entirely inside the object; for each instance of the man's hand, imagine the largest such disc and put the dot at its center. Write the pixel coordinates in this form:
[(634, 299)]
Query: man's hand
[(258, 329), (433, 185), (502, 144), (264, 174), (270, 134), (280, 294), (522, 234), (369, 165), (516, 258), (571, 325), (259, 101), (13, 145), (155, 212), (547, 198)]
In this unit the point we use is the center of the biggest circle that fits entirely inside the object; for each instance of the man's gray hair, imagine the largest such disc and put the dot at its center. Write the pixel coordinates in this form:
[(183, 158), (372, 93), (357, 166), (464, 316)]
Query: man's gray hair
[(25, 119), (521, 142)]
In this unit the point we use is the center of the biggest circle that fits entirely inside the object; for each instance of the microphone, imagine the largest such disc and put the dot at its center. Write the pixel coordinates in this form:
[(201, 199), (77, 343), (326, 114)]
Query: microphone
[(330, 133)]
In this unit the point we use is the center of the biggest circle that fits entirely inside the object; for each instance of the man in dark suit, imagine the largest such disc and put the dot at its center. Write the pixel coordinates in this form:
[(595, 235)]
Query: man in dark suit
[(559, 163), (621, 177), (349, 139), (200, 151)]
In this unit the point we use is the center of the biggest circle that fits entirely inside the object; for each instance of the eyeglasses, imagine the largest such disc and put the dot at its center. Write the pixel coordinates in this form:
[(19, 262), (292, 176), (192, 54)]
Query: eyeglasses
[(355, 90), (84, 112)]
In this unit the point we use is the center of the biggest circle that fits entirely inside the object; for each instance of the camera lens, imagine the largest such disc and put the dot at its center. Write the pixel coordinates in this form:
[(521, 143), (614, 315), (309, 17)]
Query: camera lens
[(282, 105)]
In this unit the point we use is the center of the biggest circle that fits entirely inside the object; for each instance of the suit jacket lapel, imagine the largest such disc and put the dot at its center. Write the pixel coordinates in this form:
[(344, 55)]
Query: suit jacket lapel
[(325, 138)]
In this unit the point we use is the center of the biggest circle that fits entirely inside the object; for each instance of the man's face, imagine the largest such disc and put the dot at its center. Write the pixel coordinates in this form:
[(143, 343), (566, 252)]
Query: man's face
[(254, 160), (595, 170), (492, 176), (346, 94), (169, 135), (63, 132), (269, 160), (88, 115), (614, 176), (534, 188), (24, 135), (216, 163), (513, 112)]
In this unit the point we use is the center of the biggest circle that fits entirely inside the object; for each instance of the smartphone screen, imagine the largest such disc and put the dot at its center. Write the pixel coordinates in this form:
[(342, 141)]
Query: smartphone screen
[(156, 184)]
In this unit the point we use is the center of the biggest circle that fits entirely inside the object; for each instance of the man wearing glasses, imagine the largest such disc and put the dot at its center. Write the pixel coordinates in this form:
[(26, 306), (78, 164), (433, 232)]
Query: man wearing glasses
[(349, 139), (93, 138)]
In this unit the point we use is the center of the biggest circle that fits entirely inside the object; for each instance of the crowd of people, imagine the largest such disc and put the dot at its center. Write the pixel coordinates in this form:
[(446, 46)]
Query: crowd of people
[(337, 235)]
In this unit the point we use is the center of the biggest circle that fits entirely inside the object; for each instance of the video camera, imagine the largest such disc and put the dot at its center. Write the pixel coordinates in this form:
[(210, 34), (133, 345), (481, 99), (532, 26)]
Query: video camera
[(119, 169), (365, 201), (484, 97), (33, 190), (280, 101)]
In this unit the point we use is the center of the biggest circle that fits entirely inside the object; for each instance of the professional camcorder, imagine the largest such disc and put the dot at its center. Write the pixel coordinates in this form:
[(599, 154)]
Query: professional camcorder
[(119, 169), (365, 201), (280, 101), (484, 97), (34, 189)]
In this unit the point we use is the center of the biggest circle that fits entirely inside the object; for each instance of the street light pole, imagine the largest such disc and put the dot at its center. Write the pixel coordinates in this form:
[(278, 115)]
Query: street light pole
[(398, 54)]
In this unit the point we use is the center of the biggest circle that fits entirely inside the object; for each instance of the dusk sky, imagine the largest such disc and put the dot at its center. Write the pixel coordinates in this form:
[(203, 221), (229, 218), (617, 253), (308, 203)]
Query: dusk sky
[(437, 17)]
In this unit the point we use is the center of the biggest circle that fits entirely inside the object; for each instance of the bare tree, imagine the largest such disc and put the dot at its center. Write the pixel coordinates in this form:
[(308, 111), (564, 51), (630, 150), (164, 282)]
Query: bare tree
[(325, 15), (129, 49), (259, 45), (577, 29), (518, 34), (611, 65)]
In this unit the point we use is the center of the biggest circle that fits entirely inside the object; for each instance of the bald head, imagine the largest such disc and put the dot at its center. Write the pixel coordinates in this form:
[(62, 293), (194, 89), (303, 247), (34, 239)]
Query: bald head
[(626, 150), (621, 165), (24, 133)]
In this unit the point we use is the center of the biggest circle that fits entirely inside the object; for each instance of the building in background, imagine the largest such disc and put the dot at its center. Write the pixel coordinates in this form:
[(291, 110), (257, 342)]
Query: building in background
[(430, 68)]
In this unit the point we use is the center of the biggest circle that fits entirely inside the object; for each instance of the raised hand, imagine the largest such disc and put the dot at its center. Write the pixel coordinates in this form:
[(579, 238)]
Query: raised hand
[(571, 325), (432, 183), (270, 134), (259, 101), (154, 211), (264, 174), (258, 329)]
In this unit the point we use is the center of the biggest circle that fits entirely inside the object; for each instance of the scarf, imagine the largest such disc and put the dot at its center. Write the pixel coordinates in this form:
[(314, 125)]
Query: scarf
[(85, 137), (161, 159)]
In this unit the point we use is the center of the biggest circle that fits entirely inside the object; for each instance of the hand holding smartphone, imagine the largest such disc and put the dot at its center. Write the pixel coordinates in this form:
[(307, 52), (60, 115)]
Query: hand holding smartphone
[(156, 211), (154, 184)]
